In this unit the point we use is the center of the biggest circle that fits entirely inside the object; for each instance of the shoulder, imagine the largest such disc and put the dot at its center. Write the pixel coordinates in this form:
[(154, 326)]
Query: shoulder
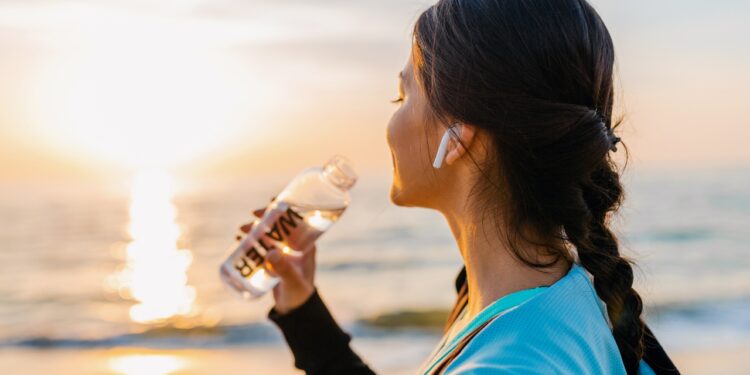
[(560, 331)]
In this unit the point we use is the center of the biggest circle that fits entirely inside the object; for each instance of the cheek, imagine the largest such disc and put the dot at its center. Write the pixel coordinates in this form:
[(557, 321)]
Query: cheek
[(400, 136), (406, 135)]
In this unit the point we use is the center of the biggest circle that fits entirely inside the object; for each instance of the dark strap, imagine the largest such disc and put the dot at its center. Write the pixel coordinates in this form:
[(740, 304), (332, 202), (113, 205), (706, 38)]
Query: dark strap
[(461, 301), (655, 355)]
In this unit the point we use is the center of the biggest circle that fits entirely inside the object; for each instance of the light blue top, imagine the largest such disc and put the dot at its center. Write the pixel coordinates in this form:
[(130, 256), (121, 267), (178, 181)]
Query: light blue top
[(561, 329)]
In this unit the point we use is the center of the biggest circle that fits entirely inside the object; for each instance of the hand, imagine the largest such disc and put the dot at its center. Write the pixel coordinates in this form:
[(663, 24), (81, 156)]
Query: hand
[(297, 274)]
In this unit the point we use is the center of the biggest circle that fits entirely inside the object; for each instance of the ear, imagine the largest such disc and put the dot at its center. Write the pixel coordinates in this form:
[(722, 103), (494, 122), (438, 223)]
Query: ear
[(466, 134)]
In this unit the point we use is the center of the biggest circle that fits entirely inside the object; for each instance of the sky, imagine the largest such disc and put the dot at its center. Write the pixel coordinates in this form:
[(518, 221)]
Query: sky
[(237, 87)]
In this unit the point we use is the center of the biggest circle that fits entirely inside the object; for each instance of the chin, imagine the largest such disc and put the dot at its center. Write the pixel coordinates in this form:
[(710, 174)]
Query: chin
[(394, 195), (401, 199), (397, 197)]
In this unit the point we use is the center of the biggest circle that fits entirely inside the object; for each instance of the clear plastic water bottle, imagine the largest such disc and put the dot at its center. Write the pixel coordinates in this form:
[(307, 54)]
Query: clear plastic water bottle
[(307, 207)]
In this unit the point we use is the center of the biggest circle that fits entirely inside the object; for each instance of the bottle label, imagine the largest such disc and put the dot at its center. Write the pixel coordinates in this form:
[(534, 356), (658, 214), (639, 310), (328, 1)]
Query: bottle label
[(274, 231)]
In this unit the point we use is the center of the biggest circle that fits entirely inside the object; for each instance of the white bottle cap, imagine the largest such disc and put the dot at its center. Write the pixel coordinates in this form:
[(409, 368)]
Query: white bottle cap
[(340, 172)]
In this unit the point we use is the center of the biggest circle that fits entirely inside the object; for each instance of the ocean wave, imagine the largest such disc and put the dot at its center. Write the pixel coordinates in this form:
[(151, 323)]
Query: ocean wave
[(717, 323), (160, 337), (378, 265), (676, 236), (261, 333), (702, 320)]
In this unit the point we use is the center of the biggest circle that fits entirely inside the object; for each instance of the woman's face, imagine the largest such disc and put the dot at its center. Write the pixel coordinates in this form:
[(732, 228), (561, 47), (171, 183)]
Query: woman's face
[(413, 135)]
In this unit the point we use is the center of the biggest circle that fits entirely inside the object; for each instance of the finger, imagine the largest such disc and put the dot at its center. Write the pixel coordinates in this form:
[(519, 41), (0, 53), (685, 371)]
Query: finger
[(309, 257), (308, 264), (245, 228), (281, 266)]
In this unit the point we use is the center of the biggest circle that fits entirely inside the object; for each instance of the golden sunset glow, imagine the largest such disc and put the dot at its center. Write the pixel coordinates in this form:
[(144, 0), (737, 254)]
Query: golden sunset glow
[(149, 96), (147, 364), (156, 272), (141, 112)]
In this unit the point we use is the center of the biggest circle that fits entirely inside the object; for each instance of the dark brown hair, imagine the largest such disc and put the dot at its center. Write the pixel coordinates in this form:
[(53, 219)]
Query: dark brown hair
[(537, 77)]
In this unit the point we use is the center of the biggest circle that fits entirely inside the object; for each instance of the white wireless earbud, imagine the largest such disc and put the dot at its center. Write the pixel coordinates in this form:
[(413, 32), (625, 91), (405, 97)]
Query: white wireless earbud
[(443, 148)]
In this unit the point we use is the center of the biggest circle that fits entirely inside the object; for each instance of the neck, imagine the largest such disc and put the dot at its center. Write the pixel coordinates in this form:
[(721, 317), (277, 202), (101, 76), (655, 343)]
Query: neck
[(492, 270)]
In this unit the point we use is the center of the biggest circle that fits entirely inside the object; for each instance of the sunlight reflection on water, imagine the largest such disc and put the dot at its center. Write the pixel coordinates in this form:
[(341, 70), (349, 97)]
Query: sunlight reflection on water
[(156, 271), (147, 364)]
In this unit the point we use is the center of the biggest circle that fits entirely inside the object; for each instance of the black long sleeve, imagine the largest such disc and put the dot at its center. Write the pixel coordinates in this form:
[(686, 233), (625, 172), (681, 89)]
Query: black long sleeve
[(319, 345)]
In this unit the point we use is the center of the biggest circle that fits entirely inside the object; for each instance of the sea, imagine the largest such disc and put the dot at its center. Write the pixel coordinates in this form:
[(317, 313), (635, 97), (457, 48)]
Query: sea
[(87, 266)]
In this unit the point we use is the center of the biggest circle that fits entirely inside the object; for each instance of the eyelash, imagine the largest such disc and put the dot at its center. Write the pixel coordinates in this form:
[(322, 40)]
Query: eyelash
[(397, 100)]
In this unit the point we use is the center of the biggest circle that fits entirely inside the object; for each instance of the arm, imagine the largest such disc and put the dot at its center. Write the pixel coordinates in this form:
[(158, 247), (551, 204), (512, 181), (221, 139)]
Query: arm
[(317, 342), (319, 345)]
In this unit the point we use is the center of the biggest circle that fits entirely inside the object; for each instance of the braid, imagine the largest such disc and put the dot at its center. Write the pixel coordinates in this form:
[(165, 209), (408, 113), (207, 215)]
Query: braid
[(538, 77), (599, 253)]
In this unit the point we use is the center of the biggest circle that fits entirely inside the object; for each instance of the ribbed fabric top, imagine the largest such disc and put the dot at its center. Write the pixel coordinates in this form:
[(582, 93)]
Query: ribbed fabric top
[(495, 309), (562, 330)]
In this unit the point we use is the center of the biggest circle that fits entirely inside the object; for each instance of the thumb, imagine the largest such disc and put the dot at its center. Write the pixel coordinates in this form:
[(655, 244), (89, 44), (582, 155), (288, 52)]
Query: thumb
[(281, 266)]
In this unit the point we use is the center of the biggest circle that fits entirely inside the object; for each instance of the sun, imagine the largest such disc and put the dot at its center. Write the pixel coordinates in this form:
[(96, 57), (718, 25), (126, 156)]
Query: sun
[(144, 105)]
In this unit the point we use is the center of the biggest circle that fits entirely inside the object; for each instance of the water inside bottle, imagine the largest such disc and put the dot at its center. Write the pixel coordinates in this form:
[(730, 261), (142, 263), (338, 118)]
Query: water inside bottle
[(315, 221), (288, 227)]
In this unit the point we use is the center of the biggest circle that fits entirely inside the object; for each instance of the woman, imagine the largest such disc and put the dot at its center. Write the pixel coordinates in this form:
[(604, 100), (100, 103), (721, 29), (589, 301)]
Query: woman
[(524, 91)]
